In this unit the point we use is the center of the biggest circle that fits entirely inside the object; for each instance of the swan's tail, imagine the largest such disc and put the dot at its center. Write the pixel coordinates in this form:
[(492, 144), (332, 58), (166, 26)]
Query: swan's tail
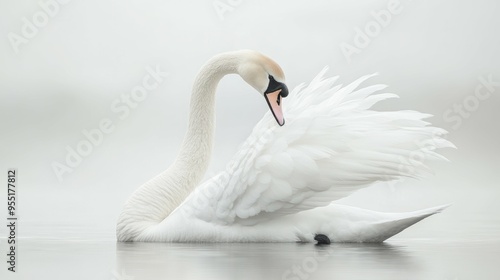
[(352, 224), (397, 222)]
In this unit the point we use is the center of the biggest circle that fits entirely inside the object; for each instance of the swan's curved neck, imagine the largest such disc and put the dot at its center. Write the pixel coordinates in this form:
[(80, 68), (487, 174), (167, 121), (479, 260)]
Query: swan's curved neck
[(196, 149), (157, 198)]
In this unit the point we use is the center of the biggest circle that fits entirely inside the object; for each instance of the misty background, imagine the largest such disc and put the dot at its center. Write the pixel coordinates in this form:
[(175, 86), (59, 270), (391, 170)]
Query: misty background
[(63, 80)]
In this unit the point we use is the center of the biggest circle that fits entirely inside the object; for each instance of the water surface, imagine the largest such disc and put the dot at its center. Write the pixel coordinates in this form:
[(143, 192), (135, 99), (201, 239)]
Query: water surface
[(93, 258)]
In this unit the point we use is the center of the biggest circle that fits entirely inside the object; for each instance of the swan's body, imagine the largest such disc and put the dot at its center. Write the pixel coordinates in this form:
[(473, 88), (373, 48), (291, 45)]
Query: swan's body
[(281, 184)]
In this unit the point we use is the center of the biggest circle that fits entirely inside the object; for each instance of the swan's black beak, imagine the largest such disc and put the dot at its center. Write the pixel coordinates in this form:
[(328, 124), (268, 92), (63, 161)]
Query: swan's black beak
[(274, 94)]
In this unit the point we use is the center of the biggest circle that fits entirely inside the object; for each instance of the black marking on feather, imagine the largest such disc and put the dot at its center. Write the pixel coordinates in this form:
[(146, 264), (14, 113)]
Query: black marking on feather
[(322, 239)]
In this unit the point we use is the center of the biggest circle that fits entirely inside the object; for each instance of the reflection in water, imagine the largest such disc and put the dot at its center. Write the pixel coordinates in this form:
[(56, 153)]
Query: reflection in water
[(438, 259), (264, 261)]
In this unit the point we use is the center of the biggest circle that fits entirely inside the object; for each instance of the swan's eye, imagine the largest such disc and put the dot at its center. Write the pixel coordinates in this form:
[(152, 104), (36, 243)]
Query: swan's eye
[(275, 85)]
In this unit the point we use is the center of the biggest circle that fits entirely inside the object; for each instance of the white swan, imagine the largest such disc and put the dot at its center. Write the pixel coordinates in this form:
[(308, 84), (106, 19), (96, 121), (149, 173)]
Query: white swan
[(280, 185)]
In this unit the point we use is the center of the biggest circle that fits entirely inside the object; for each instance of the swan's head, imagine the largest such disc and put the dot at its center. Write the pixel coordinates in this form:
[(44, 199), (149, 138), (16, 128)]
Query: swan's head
[(266, 76)]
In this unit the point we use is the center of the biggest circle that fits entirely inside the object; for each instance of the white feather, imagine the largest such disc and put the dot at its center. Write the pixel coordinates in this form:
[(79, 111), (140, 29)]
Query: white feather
[(281, 184), (331, 146)]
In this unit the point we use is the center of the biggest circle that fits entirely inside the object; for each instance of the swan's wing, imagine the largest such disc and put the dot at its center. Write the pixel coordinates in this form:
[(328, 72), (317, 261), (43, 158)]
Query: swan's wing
[(332, 144)]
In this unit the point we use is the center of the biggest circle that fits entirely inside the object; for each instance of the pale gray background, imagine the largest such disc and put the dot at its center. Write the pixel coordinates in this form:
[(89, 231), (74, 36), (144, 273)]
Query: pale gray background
[(65, 78)]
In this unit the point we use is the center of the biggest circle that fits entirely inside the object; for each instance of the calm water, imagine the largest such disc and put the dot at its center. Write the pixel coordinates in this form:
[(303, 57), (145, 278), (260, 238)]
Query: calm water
[(94, 258)]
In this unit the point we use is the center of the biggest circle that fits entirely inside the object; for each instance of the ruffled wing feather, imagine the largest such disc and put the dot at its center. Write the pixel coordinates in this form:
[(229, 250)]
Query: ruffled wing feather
[(332, 144)]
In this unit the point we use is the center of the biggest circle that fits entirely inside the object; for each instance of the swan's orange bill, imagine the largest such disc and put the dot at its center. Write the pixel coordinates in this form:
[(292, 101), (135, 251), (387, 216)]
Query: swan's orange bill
[(274, 101)]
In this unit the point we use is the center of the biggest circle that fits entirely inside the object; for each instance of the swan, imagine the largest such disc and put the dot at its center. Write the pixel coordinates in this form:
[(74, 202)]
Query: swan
[(282, 184)]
